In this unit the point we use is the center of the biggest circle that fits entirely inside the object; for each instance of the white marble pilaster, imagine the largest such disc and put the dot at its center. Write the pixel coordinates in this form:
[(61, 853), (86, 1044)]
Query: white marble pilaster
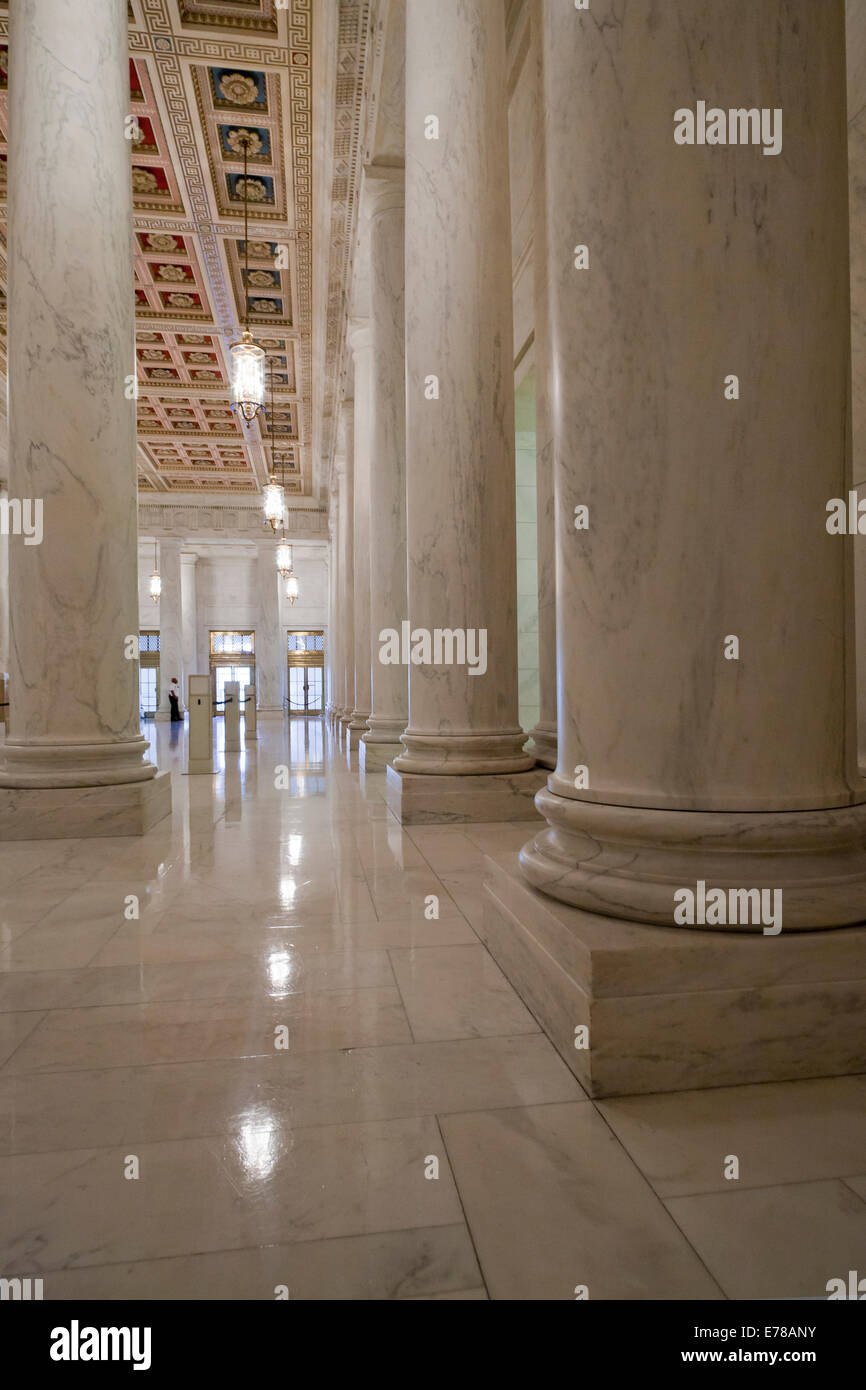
[(332, 640), (73, 598), (706, 514), (460, 483), (189, 617), (171, 624), (384, 191), (271, 651), (361, 344)]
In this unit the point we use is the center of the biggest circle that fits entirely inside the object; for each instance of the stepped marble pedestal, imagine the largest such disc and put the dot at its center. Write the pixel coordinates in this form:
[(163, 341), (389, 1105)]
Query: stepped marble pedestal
[(376, 757), (670, 1009), (427, 799), (73, 813)]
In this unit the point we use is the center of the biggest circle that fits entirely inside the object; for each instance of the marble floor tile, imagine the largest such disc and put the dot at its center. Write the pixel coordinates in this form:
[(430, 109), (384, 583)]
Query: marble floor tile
[(41, 1111), (458, 992), (858, 1185), (202, 1030), (14, 1028), (422, 1263), (447, 847), (58, 945), (257, 1185), (467, 891), (776, 1242), (308, 909), (781, 1132), (553, 1203)]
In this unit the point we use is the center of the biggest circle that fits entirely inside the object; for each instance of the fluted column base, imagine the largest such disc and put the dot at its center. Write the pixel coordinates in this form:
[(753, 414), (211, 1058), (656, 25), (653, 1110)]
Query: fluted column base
[(464, 754), (628, 862), (544, 737), (61, 764)]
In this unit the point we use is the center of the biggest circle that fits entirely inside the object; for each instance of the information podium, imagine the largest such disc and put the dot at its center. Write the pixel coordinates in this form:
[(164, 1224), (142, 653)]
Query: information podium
[(200, 740), (251, 724), (233, 716)]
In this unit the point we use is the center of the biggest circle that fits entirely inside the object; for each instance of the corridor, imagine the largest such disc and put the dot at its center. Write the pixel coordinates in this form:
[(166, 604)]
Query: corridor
[(248, 1090)]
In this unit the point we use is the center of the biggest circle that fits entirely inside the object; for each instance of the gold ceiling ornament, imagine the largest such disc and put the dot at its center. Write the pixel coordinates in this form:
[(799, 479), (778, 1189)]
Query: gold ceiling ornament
[(172, 272), (236, 138), (238, 88), (247, 360), (253, 189), (262, 279), (143, 181), (161, 241)]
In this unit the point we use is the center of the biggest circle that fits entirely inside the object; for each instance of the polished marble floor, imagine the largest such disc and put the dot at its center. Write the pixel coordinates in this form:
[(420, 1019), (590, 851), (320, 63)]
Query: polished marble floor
[(234, 1053)]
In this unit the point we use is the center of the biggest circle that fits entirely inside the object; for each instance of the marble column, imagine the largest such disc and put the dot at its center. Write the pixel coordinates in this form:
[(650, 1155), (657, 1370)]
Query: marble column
[(271, 650), (384, 190), (4, 561), (332, 644), (346, 473), (171, 622), (189, 618), (74, 761), (706, 697), (4, 610), (544, 733), (463, 734), (860, 635), (361, 343)]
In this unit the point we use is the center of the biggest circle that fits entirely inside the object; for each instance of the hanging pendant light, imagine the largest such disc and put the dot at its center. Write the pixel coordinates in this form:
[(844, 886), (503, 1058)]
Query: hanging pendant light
[(273, 498), (284, 558), (274, 495), (247, 360), (293, 589), (155, 579)]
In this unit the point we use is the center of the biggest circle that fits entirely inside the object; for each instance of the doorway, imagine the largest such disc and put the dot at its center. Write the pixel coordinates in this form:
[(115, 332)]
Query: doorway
[(232, 658), (306, 657)]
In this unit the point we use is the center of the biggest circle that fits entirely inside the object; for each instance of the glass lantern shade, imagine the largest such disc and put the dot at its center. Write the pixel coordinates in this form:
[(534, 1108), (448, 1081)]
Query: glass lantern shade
[(293, 590), (274, 500), (155, 586), (248, 377), (284, 558)]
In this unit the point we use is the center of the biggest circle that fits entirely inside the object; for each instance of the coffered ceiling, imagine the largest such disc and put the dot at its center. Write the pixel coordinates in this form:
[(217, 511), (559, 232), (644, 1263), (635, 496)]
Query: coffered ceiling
[(201, 73)]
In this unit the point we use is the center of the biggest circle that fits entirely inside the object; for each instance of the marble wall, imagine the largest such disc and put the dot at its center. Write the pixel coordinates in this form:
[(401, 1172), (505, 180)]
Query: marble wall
[(227, 597)]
